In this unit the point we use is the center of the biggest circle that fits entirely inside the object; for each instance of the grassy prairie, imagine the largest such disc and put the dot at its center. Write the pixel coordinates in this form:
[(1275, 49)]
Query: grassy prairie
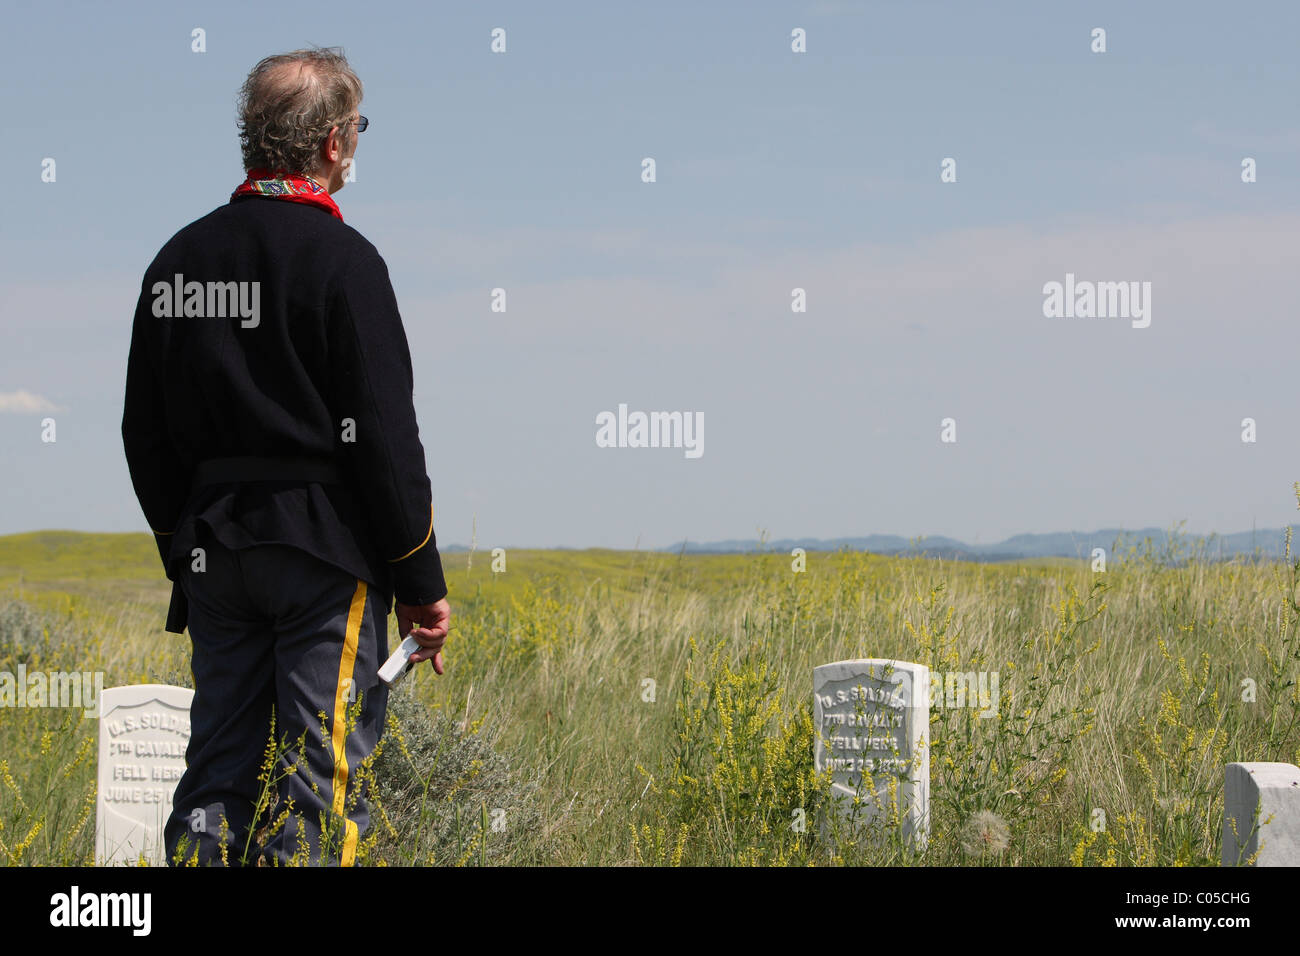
[(624, 708)]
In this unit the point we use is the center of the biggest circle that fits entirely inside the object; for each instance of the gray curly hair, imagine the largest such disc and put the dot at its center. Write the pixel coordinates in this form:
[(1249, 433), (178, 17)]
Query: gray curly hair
[(288, 105)]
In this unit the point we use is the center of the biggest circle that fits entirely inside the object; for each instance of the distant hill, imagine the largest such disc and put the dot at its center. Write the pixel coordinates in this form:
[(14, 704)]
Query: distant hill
[(53, 549), (1263, 543)]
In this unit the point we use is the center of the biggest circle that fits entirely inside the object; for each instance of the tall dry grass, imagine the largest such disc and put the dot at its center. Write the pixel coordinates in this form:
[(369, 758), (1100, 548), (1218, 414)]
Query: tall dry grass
[(642, 708)]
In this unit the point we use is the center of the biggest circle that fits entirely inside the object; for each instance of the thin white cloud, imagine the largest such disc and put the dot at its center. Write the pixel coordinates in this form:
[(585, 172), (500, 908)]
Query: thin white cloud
[(23, 402), (1218, 280)]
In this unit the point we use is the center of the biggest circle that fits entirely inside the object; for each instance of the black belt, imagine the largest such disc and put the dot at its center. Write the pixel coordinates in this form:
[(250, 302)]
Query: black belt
[(216, 471)]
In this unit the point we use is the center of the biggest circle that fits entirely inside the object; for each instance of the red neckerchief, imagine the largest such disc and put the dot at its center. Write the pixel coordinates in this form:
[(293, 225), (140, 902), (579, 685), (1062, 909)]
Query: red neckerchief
[(285, 185)]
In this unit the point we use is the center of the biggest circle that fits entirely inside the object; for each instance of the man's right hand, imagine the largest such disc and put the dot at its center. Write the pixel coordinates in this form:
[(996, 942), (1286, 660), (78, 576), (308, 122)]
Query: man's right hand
[(432, 622)]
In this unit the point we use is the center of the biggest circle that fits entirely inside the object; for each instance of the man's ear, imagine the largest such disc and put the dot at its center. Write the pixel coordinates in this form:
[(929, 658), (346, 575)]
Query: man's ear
[(332, 148)]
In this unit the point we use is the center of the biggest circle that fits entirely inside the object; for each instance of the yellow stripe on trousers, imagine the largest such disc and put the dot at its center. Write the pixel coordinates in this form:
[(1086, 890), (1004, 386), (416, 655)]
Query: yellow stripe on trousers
[(356, 614)]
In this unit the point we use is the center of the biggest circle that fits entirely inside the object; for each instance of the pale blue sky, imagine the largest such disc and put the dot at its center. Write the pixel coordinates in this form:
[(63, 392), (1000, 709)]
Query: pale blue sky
[(776, 170)]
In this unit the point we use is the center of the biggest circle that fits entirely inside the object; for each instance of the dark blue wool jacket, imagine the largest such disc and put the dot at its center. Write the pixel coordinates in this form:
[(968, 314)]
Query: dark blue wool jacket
[(305, 378)]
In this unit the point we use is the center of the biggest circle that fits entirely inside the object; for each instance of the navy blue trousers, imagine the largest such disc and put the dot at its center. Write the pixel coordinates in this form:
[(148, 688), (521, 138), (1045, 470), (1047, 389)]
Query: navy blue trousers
[(278, 635)]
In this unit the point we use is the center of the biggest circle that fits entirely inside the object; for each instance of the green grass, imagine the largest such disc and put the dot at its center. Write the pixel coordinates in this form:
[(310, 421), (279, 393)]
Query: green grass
[(1122, 693)]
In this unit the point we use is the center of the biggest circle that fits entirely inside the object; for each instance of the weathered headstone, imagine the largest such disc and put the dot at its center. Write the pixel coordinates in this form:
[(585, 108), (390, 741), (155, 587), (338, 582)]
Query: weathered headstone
[(1275, 834), (873, 727), (143, 732)]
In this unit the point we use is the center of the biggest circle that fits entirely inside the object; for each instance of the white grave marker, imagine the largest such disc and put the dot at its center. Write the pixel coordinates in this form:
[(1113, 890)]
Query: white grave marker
[(143, 732), (873, 720), (1275, 789)]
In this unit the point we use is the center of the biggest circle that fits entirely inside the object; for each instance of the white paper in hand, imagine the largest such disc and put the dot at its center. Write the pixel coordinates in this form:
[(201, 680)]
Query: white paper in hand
[(395, 667)]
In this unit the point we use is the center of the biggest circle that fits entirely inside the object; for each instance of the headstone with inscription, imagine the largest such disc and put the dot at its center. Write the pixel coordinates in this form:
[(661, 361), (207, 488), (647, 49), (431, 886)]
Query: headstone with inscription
[(873, 733), (1261, 814), (143, 732)]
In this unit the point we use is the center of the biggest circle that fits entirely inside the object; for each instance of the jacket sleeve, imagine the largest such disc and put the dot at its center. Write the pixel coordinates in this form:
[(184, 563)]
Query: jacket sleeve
[(371, 384), (161, 480)]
